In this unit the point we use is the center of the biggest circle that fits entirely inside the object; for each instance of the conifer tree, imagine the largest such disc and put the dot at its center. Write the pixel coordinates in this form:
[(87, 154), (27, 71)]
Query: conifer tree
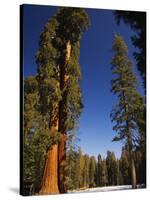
[(49, 97), (72, 24), (59, 91), (104, 175), (99, 170), (92, 171), (30, 104), (36, 138), (111, 168), (86, 171), (71, 166), (124, 85), (125, 167)]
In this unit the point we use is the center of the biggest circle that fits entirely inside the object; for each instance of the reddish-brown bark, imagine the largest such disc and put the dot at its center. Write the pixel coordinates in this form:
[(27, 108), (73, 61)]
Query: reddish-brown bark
[(54, 176), (62, 163), (50, 177)]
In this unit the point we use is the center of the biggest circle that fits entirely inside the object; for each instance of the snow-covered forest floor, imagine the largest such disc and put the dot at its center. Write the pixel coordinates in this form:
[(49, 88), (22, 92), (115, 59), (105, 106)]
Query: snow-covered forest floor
[(104, 189)]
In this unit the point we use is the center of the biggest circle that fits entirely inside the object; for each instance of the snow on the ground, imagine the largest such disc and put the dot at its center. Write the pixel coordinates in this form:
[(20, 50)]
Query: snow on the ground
[(103, 189)]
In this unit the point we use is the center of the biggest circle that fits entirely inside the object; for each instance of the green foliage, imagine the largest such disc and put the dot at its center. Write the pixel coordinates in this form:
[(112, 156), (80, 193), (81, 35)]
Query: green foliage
[(34, 157), (37, 138), (47, 61), (67, 25), (125, 167), (84, 171), (30, 106), (124, 85), (73, 22), (111, 164), (129, 113), (92, 172), (104, 173)]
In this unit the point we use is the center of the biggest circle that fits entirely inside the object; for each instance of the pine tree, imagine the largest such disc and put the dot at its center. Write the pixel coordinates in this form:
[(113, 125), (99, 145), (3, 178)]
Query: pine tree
[(71, 165), (125, 167), (118, 173), (104, 175), (92, 171), (111, 168), (86, 171), (59, 91), (124, 85), (99, 170)]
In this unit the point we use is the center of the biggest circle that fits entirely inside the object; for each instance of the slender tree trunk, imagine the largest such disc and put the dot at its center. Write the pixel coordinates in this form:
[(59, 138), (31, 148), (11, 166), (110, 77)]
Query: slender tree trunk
[(62, 117), (132, 164), (130, 146), (133, 172)]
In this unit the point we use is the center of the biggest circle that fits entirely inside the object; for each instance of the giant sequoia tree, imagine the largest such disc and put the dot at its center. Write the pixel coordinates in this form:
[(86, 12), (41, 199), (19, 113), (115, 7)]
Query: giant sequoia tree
[(36, 138), (130, 102), (59, 92)]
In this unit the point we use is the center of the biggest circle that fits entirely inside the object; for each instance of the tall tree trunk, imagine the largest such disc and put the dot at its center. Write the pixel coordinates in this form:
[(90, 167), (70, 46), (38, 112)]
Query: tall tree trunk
[(50, 177), (132, 164), (62, 117), (130, 146), (133, 173)]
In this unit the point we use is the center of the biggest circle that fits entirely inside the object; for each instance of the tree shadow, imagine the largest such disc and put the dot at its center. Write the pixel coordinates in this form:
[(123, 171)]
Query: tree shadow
[(14, 190)]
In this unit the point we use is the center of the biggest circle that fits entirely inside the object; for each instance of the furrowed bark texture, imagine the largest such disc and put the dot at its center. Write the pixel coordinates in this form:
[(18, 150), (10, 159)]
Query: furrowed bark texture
[(50, 177), (54, 176)]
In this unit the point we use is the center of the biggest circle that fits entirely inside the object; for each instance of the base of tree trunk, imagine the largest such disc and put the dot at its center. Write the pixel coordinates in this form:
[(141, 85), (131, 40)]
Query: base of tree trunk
[(50, 177), (133, 174)]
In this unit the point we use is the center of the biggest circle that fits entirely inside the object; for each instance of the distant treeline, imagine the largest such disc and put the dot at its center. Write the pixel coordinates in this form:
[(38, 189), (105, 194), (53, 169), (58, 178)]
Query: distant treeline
[(86, 171)]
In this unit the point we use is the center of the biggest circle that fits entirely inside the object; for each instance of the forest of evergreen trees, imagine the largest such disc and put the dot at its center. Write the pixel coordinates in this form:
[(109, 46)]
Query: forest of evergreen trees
[(86, 171), (53, 104)]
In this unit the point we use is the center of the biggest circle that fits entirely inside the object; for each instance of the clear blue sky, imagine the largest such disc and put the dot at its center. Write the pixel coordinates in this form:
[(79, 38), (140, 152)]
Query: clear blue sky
[(95, 128)]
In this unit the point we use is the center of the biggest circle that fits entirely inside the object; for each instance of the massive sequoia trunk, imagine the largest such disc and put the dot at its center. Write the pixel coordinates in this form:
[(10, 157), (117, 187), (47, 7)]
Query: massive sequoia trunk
[(50, 176), (62, 118)]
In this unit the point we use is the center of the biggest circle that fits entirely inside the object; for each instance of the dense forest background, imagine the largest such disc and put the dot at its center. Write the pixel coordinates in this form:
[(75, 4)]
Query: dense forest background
[(53, 104)]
